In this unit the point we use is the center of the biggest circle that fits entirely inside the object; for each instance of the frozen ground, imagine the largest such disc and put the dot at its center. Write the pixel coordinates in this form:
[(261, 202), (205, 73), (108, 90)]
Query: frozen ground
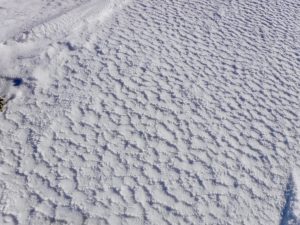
[(150, 112)]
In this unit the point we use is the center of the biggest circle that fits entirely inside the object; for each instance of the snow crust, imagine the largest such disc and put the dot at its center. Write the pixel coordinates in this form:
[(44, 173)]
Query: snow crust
[(149, 112)]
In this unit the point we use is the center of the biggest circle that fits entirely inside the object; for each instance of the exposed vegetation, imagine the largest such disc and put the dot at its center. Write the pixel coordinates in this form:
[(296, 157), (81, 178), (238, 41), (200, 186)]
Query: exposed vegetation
[(2, 104)]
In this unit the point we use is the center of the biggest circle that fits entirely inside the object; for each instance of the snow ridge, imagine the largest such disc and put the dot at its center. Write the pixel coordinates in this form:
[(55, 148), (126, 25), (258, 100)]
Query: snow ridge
[(21, 16), (62, 25), (71, 21)]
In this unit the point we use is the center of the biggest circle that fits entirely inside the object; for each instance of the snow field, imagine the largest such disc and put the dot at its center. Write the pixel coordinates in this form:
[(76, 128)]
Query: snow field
[(169, 112)]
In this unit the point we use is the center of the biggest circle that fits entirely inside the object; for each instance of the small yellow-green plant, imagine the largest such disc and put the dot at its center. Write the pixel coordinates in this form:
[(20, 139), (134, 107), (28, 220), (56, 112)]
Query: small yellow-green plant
[(2, 104)]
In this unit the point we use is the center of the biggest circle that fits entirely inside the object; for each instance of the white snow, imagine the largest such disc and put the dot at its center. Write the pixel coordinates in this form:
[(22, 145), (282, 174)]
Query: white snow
[(18, 16), (149, 112)]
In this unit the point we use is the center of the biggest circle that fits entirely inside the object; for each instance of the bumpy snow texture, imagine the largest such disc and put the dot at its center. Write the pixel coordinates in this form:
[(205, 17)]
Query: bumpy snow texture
[(150, 112)]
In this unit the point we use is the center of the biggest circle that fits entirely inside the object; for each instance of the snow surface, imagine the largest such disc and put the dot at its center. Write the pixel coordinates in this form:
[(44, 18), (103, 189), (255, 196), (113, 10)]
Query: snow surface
[(21, 15), (150, 112)]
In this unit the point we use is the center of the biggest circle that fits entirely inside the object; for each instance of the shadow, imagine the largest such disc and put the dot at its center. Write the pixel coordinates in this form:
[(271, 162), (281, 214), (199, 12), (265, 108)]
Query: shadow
[(287, 215), (17, 82)]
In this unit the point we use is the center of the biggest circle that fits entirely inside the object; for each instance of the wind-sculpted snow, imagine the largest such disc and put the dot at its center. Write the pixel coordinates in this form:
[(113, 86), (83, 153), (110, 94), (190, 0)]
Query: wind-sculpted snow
[(171, 112), (19, 15), (59, 27)]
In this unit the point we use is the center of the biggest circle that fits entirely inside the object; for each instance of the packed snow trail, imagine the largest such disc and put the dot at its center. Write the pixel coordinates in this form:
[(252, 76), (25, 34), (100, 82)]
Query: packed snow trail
[(170, 112)]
